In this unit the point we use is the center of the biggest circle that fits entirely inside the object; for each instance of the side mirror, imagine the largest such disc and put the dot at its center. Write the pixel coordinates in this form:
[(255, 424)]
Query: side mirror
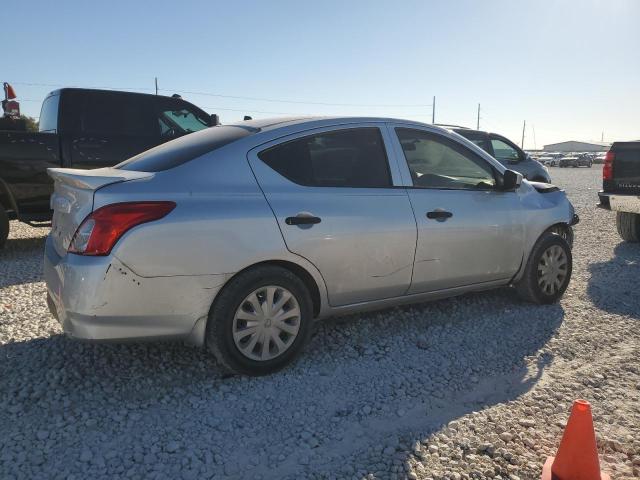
[(214, 120), (511, 180)]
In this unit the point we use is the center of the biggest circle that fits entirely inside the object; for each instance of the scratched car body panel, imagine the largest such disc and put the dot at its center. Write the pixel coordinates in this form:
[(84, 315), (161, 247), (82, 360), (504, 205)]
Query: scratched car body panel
[(229, 208)]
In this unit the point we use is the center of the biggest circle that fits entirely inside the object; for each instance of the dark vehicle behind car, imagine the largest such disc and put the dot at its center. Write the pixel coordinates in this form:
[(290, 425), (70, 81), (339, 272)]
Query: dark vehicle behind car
[(621, 188), (576, 161), (84, 129), (507, 153)]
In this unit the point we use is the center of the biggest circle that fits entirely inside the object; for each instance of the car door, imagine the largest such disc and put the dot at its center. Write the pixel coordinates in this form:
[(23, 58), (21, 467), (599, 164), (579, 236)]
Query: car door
[(112, 127), (469, 232), (332, 192)]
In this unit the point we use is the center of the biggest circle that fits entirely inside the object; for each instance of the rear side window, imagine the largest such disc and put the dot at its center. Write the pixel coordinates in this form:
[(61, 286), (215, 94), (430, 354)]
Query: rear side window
[(346, 158), (184, 149), (48, 121), (118, 114)]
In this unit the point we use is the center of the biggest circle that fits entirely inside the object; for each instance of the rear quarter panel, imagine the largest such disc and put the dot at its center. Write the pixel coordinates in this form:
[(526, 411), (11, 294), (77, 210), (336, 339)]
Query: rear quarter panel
[(222, 223)]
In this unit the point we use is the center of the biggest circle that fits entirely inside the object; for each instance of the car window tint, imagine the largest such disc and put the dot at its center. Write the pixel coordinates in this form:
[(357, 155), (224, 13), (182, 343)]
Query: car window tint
[(479, 139), (117, 114), (184, 149), (437, 162), (347, 158), (503, 151)]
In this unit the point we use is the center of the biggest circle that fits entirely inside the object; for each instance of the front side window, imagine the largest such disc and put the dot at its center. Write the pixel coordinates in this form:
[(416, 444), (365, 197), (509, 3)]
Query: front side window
[(346, 158), (503, 152), (437, 162)]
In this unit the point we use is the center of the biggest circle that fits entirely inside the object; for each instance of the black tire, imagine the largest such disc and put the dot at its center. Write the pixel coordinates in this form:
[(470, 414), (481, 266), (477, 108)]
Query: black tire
[(528, 287), (4, 227), (628, 225), (219, 334)]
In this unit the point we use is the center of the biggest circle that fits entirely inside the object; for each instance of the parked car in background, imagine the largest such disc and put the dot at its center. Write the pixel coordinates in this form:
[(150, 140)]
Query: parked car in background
[(507, 153), (82, 128), (575, 161), (548, 161), (621, 188), (239, 236)]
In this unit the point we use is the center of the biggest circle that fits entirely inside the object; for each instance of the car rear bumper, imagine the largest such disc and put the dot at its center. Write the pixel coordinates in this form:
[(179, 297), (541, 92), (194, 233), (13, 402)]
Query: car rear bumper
[(619, 202), (100, 298)]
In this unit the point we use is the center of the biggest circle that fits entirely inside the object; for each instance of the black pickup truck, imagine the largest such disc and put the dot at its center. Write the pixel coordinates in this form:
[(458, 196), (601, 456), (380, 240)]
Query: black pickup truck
[(621, 188), (83, 128)]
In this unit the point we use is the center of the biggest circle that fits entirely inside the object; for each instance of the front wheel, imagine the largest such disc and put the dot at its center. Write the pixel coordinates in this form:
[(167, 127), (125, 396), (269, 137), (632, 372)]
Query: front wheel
[(260, 321), (4, 227), (628, 225), (548, 270)]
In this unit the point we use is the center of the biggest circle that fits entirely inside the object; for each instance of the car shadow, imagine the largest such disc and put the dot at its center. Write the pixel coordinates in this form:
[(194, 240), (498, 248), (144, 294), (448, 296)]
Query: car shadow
[(613, 285), (365, 380), (21, 261)]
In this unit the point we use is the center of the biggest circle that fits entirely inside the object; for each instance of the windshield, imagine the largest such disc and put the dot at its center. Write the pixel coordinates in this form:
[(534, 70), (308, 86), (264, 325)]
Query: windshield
[(182, 120)]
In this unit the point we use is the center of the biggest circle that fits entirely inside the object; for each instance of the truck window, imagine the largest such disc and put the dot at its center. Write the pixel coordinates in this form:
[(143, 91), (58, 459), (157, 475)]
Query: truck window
[(48, 122), (118, 114)]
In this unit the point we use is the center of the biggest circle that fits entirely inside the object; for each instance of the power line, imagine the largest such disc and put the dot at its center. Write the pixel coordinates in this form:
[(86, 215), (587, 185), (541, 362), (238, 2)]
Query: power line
[(240, 97)]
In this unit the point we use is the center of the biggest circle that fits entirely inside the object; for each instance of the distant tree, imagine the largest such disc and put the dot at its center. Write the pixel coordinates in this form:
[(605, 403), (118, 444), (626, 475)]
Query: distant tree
[(30, 122)]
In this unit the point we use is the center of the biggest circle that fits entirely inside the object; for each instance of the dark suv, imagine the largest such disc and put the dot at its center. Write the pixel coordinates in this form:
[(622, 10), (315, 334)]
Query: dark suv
[(507, 153)]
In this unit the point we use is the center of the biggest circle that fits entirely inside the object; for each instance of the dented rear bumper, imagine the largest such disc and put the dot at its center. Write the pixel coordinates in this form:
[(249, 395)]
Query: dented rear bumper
[(100, 298)]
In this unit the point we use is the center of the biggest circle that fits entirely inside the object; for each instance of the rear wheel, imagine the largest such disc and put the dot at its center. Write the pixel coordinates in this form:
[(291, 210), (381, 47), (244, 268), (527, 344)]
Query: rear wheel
[(4, 227), (628, 225), (548, 270), (260, 321)]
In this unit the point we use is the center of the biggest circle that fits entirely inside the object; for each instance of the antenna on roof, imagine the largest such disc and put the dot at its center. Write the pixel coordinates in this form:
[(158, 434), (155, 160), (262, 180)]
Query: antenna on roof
[(156, 85)]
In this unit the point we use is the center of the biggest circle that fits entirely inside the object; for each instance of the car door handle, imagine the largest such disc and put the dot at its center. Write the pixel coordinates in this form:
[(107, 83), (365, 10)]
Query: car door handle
[(440, 215), (302, 220)]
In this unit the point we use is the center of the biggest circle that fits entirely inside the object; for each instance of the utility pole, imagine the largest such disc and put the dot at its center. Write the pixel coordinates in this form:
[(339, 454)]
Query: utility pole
[(602, 137), (535, 144), (478, 124), (524, 125), (433, 111), (156, 85)]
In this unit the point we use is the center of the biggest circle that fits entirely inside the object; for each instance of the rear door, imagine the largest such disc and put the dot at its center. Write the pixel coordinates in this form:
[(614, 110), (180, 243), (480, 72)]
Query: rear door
[(332, 192), (110, 127), (469, 232)]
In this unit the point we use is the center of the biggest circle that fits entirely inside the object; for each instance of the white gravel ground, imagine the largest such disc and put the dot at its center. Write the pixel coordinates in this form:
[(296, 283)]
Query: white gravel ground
[(473, 387)]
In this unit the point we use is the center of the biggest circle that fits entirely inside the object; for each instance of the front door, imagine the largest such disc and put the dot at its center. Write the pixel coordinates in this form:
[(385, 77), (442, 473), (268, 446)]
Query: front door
[(333, 197), (469, 232)]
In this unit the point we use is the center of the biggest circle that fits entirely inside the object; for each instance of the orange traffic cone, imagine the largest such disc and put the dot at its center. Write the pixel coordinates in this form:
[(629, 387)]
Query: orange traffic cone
[(577, 457)]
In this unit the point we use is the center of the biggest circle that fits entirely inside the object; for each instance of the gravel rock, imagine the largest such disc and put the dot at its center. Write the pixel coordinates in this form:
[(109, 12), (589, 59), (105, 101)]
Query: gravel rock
[(477, 386)]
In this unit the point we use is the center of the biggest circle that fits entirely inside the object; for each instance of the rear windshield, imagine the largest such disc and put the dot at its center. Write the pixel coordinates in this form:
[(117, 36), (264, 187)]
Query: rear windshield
[(185, 149)]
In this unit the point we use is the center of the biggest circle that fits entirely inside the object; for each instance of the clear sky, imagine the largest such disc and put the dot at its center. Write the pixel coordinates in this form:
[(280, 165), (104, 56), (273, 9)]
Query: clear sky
[(570, 68)]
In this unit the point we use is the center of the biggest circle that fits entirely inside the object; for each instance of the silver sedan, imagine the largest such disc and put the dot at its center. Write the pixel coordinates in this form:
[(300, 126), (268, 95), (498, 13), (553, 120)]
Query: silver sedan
[(238, 237)]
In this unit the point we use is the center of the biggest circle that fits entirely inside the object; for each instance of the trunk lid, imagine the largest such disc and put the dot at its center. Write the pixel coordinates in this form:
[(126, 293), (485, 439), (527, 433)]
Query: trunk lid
[(72, 198)]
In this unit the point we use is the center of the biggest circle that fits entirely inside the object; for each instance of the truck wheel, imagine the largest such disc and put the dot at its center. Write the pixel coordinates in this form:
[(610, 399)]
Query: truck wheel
[(628, 226), (260, 321), (548, 270), (4, 227)]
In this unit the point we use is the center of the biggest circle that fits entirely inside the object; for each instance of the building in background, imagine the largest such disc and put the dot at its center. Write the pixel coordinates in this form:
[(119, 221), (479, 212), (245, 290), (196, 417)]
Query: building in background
[(573, 146)]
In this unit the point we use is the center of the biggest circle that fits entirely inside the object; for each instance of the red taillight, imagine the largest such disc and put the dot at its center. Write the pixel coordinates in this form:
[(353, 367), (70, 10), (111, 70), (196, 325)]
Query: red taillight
[(607, 168), (100, 231)]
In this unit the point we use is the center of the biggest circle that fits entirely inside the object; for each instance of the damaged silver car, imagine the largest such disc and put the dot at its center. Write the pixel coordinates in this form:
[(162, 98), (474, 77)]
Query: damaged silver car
[(239, 237)]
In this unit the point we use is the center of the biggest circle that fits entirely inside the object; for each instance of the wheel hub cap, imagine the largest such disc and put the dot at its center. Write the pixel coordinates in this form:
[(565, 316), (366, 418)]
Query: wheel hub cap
[(266, 323), (552, 269)]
